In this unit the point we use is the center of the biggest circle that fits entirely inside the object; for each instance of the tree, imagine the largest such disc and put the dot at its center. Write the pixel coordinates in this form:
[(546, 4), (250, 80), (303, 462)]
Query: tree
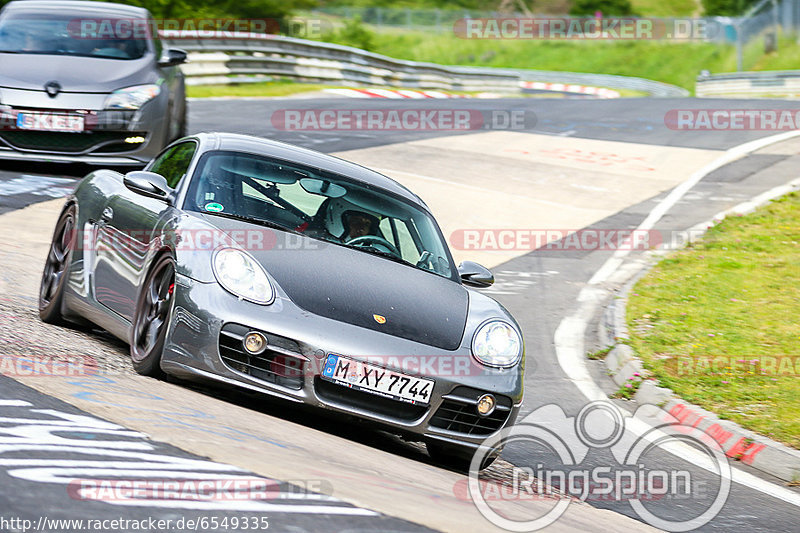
[(714, 8)]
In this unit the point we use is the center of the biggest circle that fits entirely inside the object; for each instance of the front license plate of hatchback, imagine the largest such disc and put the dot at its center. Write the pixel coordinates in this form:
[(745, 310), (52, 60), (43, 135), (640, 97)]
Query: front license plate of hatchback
[(49, 122), (370, 378)]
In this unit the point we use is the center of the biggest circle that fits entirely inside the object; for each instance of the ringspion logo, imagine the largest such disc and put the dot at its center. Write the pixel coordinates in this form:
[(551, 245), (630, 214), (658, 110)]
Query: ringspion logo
[(595, 456)]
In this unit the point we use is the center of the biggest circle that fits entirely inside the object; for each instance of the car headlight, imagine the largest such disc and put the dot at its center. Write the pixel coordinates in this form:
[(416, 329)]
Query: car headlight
[(241, 275), (497, 344), (132, 97)]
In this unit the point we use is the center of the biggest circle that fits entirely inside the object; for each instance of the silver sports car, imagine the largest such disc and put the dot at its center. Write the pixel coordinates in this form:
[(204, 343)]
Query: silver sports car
[(292, 273), (88, 82)]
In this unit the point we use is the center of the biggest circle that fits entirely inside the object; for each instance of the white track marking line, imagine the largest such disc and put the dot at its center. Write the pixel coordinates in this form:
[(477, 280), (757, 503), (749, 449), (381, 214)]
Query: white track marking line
[(613, 263), (570, 333), (15, 403)]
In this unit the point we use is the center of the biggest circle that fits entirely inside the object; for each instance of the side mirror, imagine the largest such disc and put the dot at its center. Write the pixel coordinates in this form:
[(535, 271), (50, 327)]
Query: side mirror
[(172, 57), (475, 275), (148, 184)]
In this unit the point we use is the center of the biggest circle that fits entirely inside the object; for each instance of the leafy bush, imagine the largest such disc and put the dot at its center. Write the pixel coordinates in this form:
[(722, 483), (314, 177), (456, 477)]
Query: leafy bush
[(606, 7), (714, 8), (354, 33)]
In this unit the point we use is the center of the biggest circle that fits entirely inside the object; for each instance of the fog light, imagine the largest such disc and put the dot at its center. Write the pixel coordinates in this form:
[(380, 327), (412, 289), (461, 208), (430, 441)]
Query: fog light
[(486, 405), (134, 140), (255, 343)]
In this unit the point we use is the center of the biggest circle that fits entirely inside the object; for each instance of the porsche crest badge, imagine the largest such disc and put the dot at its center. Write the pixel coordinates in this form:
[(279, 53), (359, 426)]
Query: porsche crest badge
[(380, 319)]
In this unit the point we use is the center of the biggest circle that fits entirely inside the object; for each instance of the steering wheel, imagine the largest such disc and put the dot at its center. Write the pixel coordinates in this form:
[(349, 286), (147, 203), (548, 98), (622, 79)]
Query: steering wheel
[(372, 240)]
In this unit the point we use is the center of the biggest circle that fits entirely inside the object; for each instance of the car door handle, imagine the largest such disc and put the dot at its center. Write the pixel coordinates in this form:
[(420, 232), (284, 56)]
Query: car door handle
[(108, 214)]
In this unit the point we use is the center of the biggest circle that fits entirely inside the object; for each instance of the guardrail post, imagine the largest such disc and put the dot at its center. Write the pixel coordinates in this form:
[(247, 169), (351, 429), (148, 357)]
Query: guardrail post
[(775, 19), (739, 46)]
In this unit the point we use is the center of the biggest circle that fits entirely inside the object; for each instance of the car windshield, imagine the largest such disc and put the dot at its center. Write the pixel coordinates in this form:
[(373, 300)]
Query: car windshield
[(320, 205), (72, 35)]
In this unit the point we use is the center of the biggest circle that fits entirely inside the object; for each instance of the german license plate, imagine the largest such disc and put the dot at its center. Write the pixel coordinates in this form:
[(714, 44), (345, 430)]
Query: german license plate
[(363, 376), (49, 122)]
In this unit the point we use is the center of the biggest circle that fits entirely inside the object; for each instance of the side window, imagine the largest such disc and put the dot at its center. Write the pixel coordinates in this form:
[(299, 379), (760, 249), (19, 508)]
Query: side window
[(173, 163)]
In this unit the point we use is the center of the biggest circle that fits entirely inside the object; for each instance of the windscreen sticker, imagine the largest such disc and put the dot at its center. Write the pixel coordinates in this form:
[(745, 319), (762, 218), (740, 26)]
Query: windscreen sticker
[(214, 207), (210, 196)]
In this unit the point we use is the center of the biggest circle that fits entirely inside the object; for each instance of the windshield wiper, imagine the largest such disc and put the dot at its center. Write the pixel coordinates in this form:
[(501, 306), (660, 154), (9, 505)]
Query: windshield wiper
[(259, 221)]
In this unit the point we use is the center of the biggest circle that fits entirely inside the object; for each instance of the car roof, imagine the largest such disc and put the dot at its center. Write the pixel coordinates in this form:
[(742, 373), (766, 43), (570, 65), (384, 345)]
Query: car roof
[(307, 157), (76, 5)]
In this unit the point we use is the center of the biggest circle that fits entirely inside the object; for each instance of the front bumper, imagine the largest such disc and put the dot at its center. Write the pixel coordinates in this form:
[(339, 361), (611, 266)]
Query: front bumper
[(123, 137), (202, 342)]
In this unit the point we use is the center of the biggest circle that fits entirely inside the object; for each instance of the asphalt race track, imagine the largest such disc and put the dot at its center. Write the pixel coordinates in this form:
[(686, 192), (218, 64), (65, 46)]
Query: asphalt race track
[(630, 160)]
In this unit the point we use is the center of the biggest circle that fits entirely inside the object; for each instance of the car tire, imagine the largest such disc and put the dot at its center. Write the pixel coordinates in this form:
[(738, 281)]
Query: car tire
[(456, 457), (56, 268), (152, 316)]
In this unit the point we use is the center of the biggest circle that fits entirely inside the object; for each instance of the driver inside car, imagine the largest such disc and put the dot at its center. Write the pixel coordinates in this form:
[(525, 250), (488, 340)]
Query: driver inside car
[(357, 225)]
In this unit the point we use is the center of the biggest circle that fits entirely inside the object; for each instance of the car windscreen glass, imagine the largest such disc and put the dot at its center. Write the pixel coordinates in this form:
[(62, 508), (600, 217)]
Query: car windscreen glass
[(334, 209), (73, 35)]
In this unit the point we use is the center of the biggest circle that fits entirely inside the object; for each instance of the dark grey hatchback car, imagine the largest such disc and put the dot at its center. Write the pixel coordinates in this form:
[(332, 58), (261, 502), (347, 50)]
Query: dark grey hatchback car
[(73, 91)]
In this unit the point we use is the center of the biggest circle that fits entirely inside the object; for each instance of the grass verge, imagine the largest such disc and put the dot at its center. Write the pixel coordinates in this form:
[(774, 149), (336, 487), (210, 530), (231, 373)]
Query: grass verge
[(674, 62), (279, 88), (735, 295), (267, 88)]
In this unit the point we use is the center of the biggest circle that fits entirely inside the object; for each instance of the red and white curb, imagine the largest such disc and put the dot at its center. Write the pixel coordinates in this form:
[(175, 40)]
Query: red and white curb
[(397, 94), (600, 92)]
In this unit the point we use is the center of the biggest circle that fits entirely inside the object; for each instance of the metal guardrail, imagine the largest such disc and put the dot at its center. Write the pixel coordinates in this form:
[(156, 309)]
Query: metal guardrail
[(775, 83), (242, 58), (217, 60)]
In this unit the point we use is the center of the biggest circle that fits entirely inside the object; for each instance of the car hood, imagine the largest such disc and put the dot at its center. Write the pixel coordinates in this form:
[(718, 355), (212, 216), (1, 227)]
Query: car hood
[(73, 73), (353, 287)]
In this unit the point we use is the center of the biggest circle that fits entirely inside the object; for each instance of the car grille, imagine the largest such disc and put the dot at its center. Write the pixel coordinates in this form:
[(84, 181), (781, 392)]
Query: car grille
[(281, 363), (68, 142), (373, 403), (458, 413)]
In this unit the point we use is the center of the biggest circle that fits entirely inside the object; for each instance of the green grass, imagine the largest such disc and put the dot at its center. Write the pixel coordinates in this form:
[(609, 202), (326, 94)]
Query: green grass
[(670, 62), (734, 294), (667, 8), (676, 62), (270, 88), (787, 57), (599, 354), (280, 88)]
